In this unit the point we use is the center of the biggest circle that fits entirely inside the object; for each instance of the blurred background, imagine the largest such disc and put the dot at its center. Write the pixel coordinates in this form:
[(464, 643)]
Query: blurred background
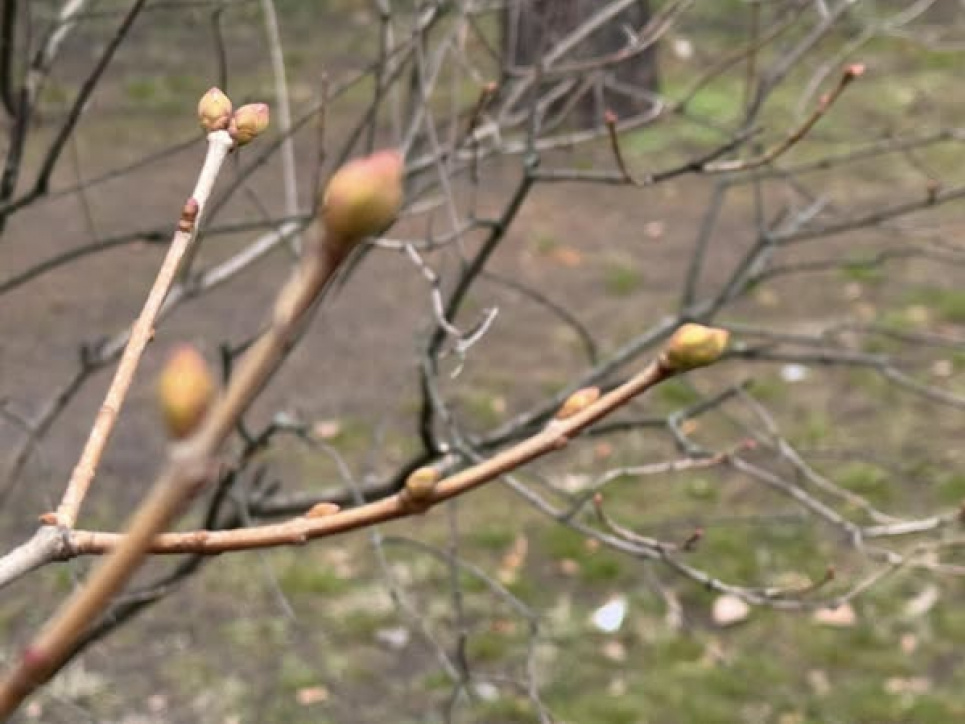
[(779, 536)]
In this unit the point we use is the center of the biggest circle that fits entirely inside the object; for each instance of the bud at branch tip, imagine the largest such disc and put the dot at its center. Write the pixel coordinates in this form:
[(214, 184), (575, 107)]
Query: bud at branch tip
[(692, 346), (362, 199), (214, 110)]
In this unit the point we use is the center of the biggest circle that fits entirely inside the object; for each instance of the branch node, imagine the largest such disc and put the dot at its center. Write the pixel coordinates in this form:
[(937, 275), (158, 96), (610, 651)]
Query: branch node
[(416, 496), (189, 214)]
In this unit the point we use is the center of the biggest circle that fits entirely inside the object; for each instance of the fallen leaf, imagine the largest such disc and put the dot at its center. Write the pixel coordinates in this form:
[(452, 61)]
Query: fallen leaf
[(503, 626), (909, 643), (567, 256), (609, 617), (767, 297), (911, 685), (841, 617), (689, 426), (513, 560), (327, 429), (615, 651), (794, 373), (713, 655), (865, 312), (942, 368), (395, 638), (683, 48), (486, 691), (853, 291), (569, 567), (573, 482), (311, 695), (654, 229), (729, 610), (819, 681), (918, 314)]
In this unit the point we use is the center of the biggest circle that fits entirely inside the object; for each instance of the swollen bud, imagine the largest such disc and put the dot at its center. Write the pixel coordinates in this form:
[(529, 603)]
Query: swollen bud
[(363, 198), (214, 110), (322, 510), (692, 346), (420, 484), (185, 391), (248, 122), (578, 401)]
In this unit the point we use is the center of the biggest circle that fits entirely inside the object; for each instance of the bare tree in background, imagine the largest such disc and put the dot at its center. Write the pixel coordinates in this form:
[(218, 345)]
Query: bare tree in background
[(487, 102), (624, 39)]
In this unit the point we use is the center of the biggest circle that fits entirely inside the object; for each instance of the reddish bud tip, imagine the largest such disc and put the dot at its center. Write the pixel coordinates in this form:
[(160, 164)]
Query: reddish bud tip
[(248, 122), (692, 346), (363, 198), (189, 214), (610, 118), (185, 391), (214, 110), (34, 660)]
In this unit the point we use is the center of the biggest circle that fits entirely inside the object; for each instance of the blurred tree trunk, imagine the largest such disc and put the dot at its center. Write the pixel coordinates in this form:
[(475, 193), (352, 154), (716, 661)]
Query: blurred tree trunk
[(533, 27)]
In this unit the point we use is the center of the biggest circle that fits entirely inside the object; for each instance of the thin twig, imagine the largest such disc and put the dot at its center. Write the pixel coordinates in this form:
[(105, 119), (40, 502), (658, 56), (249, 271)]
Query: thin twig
[(219, 143)]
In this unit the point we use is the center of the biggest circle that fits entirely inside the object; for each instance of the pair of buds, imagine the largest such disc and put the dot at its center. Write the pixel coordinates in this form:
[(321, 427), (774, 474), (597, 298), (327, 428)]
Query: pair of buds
[(216, 113)]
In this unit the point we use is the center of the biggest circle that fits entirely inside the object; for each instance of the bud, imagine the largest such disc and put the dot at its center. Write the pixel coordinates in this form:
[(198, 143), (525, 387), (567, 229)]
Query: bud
[(420, 484), (322, 510), (363, 197), (248, 122), (185, 391), (578, 401), (214, 110), (692, 346)]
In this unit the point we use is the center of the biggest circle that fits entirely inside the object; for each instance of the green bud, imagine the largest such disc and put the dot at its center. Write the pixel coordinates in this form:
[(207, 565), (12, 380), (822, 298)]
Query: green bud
[(692, 346)]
